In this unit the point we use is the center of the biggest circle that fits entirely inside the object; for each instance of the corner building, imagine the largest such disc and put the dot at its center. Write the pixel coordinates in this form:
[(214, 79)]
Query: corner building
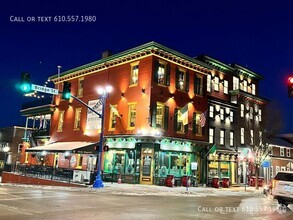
[(153, 123)]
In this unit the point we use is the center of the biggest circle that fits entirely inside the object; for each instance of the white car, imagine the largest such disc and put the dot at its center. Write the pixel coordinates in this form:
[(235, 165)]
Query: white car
[(282, 187)]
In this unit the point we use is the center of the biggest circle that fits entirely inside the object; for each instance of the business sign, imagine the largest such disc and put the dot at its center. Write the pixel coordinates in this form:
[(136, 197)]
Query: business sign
[(266, 163), (44, 89), (93, 121)]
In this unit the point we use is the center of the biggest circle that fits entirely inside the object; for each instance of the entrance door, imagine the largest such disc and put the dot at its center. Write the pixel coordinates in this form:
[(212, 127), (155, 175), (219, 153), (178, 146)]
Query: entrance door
[(146, 165)]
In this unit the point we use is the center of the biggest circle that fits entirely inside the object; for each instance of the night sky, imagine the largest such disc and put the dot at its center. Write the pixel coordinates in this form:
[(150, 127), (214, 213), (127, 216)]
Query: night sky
[(255, 34)]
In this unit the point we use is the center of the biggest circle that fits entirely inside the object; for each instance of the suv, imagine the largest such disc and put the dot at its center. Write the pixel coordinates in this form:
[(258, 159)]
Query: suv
[(282, 187)]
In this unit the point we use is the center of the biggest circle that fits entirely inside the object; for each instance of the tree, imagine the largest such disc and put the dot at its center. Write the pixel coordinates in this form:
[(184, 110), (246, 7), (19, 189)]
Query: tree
[(269, 126)]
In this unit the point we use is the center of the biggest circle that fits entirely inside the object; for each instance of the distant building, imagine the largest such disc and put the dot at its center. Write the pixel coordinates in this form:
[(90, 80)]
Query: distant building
[(11, 139)]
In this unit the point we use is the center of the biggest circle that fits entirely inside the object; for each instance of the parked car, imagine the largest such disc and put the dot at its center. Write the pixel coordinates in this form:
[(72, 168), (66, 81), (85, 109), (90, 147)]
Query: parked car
[(282, 187)]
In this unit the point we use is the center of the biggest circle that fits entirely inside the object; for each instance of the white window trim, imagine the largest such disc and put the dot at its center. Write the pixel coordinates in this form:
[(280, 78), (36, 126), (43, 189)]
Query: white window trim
[(282, 151)]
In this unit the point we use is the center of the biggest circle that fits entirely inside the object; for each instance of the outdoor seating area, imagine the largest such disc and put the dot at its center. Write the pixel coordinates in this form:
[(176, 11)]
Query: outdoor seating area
[(45, 172)]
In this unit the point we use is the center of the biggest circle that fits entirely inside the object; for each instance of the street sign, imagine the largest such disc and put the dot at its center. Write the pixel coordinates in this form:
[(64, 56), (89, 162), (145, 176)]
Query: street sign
[(44, 89), (266, 163)]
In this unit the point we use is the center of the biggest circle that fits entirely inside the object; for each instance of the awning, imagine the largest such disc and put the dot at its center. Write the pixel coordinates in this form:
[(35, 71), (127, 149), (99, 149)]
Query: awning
[(74, 147)]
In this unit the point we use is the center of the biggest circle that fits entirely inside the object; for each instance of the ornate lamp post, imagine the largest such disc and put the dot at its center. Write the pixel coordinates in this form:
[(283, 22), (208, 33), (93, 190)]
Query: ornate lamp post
[(103, 92)]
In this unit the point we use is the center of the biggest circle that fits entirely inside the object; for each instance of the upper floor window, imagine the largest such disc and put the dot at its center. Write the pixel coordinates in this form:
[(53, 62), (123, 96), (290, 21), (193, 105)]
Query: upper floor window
[(245, 85), (253, 89), (231, 116), (251, 137), (134, 74), (211, 112), (197, 85), (80, 87), (197, 124), (260, 138), (182, 80), (77, 119), (211, 135), (235, 83), (222, 137), (259, 114), (242, 136), (231, 138), (282, 151), (216, 83), (131, 115), (242, 110), (222, 114), (162, 73), (113, 113), (225, 87), (60, 121), (251, 113), (209, 83), (160, 115), (288, 152), (181, 119)]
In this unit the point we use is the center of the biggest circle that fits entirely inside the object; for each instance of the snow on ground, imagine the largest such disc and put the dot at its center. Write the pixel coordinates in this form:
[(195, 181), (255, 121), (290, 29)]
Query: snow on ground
[(137, 189)]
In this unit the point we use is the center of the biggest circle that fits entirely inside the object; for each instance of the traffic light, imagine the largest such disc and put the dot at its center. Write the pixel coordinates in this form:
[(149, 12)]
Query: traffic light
[(25, 83), (66, 90), (96, 148), (106, 148), (290, 86)]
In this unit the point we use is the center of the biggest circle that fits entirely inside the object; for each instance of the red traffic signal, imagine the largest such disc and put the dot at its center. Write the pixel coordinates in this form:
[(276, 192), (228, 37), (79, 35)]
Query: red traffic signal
[(106, 148), (290, 86)]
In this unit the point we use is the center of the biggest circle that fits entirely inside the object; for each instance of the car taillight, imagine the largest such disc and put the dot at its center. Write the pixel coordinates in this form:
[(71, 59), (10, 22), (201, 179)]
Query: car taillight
[(275, 182)]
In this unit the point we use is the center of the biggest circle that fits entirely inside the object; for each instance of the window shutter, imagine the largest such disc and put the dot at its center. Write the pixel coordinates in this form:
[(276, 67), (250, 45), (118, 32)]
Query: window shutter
[(177, 78), (156, 69), (187, 82), (194, 123), (168, 74), (186, 129), (154, 115), (175, 119), (166, 118)]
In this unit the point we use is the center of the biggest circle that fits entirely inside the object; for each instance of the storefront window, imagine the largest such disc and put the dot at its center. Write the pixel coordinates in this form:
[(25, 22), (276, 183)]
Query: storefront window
[(213, 169), (130, 162), (163, 164), (119, 162), (176, 164)]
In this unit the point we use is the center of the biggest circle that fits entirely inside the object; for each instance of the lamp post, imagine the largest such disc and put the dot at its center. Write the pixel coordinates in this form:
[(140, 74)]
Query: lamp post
[(103, 92)]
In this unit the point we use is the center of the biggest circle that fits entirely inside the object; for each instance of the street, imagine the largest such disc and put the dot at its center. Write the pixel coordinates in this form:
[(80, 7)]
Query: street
[(135, 202)]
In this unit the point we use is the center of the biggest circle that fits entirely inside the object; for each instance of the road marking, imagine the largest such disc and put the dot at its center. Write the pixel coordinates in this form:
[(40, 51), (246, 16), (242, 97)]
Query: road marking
[(19, 210)]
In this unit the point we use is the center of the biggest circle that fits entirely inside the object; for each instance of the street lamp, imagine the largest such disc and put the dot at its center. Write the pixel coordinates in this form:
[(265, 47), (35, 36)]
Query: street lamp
[(103, 92)]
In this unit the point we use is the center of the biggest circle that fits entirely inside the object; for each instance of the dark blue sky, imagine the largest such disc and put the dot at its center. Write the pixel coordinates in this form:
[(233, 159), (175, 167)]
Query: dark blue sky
[(255, 34)]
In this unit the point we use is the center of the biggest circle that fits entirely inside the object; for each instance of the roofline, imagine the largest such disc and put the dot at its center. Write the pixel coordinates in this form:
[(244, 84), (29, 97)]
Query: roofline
[(151, 48), (247, 71), (217, 63)]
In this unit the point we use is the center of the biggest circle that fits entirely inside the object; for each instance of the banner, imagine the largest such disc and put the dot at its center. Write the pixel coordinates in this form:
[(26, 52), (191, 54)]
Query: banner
[(93, 121)]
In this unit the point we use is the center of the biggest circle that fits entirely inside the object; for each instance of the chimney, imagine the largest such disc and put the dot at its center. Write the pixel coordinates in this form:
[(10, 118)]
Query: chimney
[(106, 53)]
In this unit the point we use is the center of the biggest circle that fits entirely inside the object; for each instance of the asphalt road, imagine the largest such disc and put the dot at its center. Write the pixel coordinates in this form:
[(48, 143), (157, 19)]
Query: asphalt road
[(71, 203)]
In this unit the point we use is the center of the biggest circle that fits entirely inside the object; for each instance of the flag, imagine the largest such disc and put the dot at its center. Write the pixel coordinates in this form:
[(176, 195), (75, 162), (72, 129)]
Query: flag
[(184, 114), (213, 149), (202, 119), (115, 111)]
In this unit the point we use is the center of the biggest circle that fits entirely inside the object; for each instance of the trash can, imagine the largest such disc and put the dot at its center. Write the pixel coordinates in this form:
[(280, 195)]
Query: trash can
[(215, 182), (184, 181), (170, 180), (225, 182)]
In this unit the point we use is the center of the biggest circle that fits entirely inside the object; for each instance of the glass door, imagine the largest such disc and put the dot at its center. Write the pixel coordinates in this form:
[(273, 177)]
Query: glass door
[(146, 166)]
